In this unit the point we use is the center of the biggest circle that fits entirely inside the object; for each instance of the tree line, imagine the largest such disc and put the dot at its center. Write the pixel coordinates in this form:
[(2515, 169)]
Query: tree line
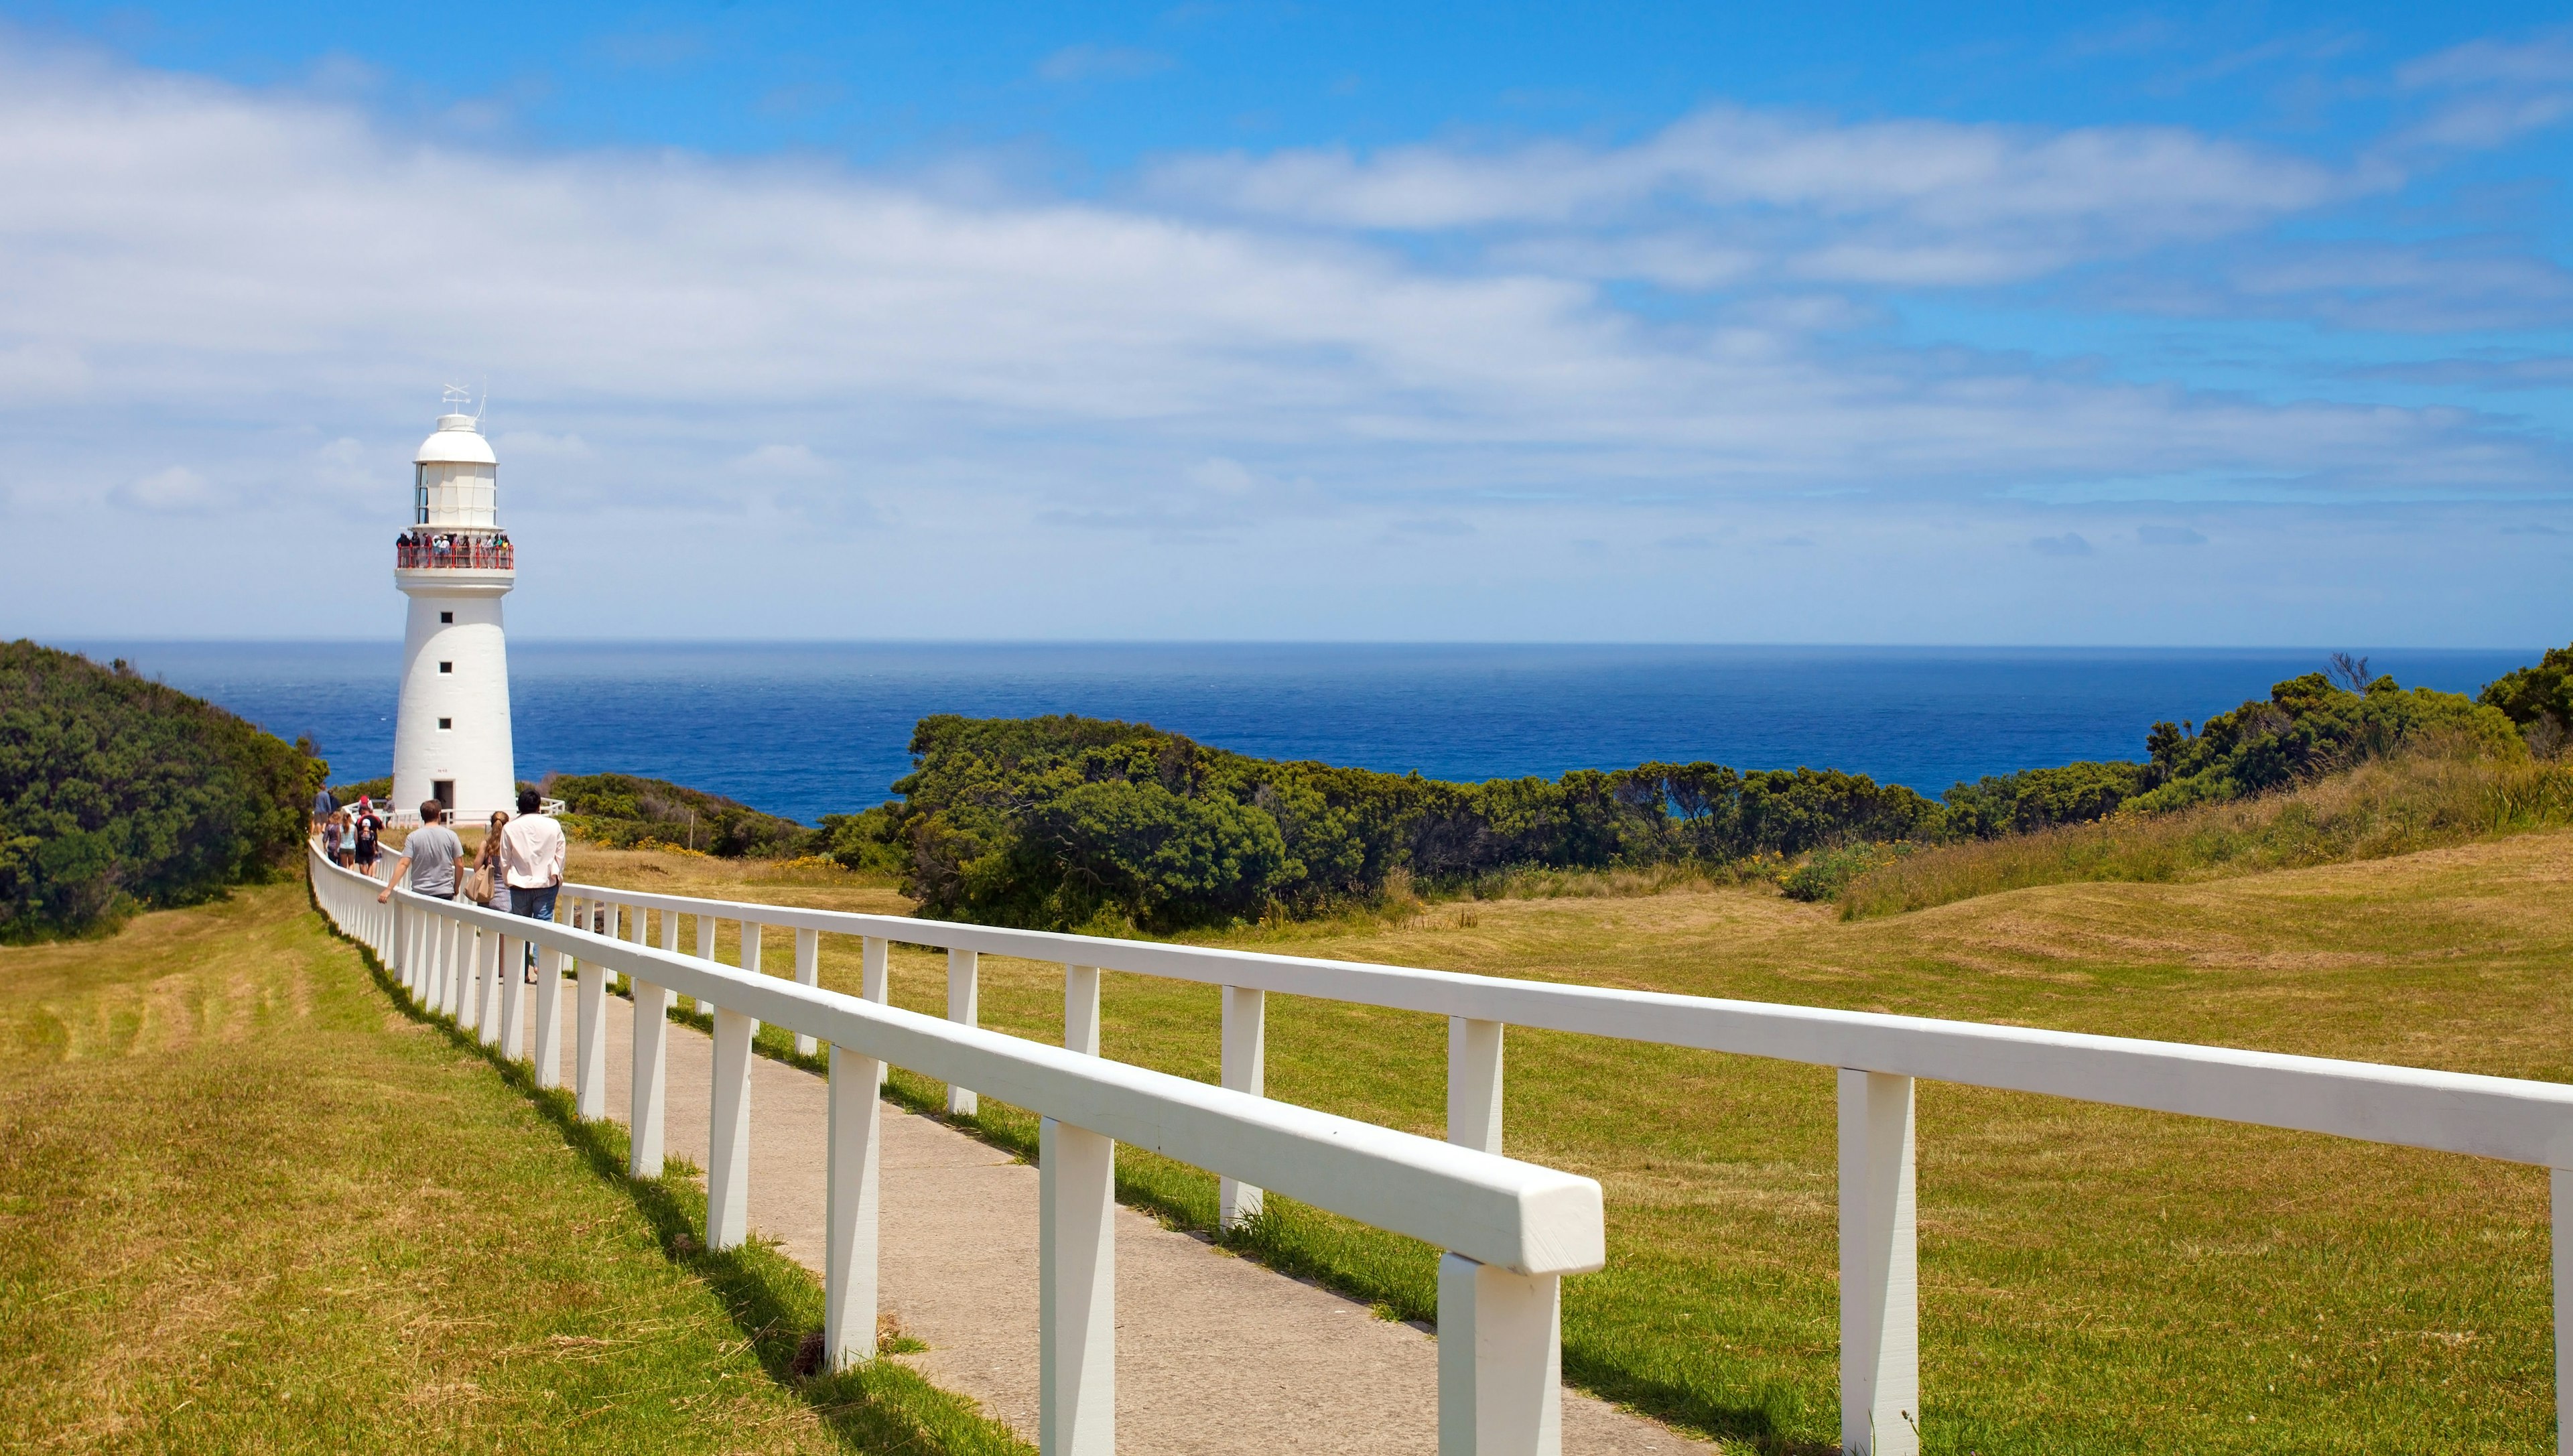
[(1068, 822), (118, 794)]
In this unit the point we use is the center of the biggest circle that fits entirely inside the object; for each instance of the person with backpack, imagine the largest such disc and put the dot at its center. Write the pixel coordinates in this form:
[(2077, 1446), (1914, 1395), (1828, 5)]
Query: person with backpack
[(369, 830)]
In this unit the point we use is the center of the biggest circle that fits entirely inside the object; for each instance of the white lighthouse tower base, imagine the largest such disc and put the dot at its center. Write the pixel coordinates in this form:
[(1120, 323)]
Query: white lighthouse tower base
[(452, 737)]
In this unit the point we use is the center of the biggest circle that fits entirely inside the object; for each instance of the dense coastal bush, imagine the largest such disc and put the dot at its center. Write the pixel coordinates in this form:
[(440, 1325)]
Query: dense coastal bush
[(1064, 822), (118, 793), (2538, 699), (628, 812), (2307, 727)]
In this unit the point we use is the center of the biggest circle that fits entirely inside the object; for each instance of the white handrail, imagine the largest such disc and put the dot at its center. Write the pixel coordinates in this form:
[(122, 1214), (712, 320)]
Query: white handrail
[(1878, 1057), (2450, 1111), (1514, 1229)]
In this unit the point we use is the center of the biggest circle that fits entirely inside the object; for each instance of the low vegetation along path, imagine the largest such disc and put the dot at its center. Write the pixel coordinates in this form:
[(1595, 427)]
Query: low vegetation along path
[(1214, 1352)]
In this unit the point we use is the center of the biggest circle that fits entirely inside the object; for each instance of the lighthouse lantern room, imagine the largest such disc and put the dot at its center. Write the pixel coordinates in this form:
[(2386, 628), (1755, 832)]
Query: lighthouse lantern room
[(451, 731)]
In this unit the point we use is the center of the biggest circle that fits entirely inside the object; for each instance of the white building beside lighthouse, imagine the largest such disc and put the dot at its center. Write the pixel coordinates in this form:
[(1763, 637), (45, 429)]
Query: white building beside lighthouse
[(452, 732)]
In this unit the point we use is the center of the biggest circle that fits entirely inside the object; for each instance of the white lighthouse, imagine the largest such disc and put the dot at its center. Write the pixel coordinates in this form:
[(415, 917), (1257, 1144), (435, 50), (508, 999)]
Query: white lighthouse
[(452, 733)]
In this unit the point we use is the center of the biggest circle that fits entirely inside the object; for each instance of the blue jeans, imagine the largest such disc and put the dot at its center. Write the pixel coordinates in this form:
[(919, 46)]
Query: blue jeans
[(535, 905)]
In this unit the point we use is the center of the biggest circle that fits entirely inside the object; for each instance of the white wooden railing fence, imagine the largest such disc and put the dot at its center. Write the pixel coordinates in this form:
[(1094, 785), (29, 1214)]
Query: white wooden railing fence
[(1877, 1057), (1514, 1229)]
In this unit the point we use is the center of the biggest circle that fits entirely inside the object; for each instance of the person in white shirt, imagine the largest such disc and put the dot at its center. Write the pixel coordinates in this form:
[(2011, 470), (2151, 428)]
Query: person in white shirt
[(532, 864)]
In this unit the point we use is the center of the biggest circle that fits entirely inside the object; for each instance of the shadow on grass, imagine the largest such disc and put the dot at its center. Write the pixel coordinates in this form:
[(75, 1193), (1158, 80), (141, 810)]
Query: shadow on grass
[(774, 1303), (1395, 1275)]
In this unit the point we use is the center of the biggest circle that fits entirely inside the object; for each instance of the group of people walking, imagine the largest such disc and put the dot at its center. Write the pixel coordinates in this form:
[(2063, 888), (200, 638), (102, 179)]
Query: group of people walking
[(518, 870), (348, 836)]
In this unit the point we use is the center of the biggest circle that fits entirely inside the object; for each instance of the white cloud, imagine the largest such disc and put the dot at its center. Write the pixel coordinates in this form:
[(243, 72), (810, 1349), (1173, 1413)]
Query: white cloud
[(175, 490), (1879, 201), (784, 461), (2492, 91), (271, 288)]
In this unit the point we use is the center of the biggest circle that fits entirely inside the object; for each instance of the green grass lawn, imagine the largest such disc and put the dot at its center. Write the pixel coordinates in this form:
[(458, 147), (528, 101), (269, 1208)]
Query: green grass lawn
[(248, 1205), (2093, 1279)]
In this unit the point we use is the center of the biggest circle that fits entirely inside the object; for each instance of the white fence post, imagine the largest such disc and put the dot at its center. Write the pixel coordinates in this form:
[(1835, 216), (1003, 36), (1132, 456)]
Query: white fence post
[(1474, 1084), (1081, 1009), (1880, 1293), (468, 989), (1246, 1056), (875, 978), (642, 934), (589, 1043), (433, 984), (443, 965), (486, 953), (398, 958), (705, 946), (728, 1133), (2560, 1187), (963, 969), (808, 971), (1500, 1361), (548, 1048), (670, 931), (651, 1079), (1076, 1299), (849, 1212), (513, 997)]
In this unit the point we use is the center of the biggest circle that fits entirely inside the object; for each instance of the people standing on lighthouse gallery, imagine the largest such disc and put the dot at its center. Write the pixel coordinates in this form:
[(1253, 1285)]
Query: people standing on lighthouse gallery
[(532, 864), (431, 856)]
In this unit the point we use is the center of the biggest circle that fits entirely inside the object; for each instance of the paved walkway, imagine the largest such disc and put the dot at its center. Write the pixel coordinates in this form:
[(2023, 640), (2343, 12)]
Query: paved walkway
[(1214, 1353)]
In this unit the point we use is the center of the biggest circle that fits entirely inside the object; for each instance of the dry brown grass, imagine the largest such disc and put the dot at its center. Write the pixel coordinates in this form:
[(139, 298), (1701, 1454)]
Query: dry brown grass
[(2385, 807), (2093, 1280)]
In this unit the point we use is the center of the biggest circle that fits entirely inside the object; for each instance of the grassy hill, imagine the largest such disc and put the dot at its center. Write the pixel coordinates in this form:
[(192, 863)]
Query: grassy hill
[(2093, 1279), (248, 1205)]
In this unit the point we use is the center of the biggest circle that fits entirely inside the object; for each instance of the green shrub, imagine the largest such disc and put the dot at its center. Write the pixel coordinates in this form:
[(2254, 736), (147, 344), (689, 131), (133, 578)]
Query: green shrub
[(1064, 822), (380, 790), (118, 793), (1828, 872), (623, 811), (2538, 699), (2034, 799)]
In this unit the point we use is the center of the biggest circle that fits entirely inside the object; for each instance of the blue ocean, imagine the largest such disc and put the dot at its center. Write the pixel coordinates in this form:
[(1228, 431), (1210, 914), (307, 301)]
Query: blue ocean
[(806, 729)]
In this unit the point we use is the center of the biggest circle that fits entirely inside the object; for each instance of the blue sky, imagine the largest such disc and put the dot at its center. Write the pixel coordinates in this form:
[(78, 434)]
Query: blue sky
[(2239, 325)]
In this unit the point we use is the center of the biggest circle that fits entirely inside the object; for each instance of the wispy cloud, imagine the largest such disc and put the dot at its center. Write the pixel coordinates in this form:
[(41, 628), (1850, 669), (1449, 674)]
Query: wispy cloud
[(2492, 91), (1087, 62), (1728, 190)]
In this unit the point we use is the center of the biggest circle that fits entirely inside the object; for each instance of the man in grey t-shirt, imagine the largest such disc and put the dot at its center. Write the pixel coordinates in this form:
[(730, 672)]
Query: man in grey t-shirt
[(430, 855)]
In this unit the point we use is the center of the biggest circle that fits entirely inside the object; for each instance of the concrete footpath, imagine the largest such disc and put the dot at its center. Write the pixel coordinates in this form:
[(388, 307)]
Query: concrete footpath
[(1214, 1353)]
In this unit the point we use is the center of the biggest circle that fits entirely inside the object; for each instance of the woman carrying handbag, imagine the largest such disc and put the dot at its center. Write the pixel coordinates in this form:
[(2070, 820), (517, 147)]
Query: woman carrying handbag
[(489, 887)]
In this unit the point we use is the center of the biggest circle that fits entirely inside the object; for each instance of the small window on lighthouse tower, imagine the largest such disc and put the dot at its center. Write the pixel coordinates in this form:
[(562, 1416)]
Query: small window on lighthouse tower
[(445, 723), (446, 616), (447, 667)]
